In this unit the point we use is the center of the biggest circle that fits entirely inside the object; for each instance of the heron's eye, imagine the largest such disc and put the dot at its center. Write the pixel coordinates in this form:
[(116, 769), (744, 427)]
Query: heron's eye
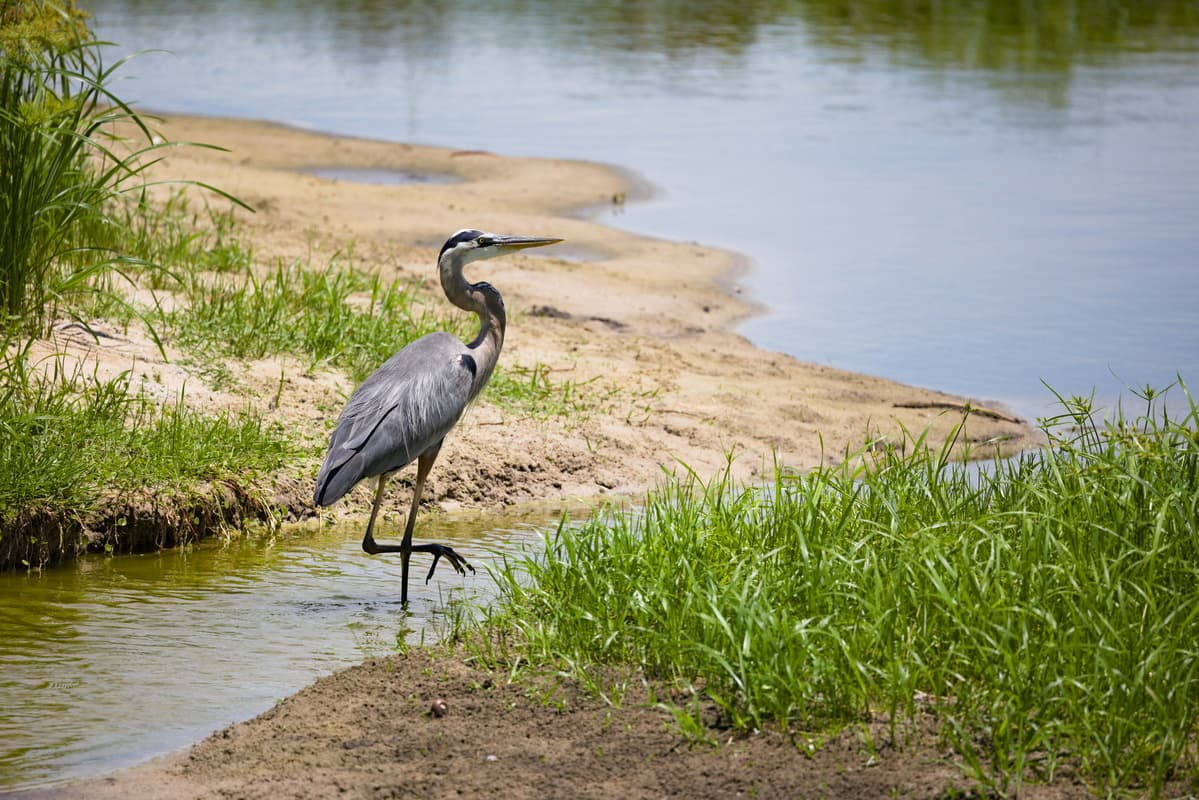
[(485, 241)]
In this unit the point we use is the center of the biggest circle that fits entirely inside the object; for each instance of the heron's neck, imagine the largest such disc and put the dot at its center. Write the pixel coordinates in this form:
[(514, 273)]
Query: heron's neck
[(487, 344), (491, 331), (457, 288), (492, 321)]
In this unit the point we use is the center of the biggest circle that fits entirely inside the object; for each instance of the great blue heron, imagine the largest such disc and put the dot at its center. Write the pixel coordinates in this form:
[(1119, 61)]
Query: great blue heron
[(403, 411)]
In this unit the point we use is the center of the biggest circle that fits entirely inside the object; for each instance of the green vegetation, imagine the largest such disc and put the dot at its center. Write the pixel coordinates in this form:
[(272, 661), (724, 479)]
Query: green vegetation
[(62, 176), (51, 196), (67, 438), (74, 214), (1046, 610)]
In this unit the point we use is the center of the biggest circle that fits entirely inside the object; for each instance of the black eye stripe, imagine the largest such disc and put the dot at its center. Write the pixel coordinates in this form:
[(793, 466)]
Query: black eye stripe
[(458, 238)]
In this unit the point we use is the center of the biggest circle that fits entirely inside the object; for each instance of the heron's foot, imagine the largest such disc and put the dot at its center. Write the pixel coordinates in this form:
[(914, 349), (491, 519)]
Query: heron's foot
[(459, 563)]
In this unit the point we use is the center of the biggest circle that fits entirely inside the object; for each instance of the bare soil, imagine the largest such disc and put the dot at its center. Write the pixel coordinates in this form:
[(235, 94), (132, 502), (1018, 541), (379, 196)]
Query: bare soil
[(643, 326), (429, 724)]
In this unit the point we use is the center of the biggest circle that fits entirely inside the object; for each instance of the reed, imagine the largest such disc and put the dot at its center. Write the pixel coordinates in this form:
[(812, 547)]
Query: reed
[(65, 171), (56, 172), (1046, 609)]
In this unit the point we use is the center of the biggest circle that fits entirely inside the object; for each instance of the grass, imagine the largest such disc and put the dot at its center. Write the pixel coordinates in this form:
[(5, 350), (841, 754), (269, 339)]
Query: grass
[(531, 391), (179, 238), (1046, 610), (336, 316), (48, 190), (68, 439), (64, 173)]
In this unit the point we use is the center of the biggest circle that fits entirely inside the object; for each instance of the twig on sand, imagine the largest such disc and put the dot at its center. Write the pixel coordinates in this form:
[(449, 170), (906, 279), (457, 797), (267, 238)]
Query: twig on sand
[(963, 407)]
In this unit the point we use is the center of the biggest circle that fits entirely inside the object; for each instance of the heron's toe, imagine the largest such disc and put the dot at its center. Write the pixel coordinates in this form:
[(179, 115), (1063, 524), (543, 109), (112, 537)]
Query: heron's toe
[(459, 563)]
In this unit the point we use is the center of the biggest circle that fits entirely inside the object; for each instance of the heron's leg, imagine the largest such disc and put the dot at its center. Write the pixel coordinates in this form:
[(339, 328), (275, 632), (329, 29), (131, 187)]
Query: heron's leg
[(405, 548), (438, 550), (368, 541), (423, 465)]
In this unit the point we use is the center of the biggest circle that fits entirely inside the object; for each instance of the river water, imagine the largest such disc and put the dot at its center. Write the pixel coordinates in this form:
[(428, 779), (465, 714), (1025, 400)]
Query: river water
[(970, 196), (109, 661)]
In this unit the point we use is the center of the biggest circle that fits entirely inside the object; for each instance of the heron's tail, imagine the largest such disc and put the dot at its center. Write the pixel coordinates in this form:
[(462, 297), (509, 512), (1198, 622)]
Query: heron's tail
[(336, 478)]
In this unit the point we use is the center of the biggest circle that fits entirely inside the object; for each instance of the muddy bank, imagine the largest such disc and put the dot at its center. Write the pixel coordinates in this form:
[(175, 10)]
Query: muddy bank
[(429, 724), (142, 521)]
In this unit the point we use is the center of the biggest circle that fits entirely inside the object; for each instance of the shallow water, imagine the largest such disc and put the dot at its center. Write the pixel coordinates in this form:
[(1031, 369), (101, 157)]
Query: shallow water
[(969, 196), (378, 176), (112, 660)]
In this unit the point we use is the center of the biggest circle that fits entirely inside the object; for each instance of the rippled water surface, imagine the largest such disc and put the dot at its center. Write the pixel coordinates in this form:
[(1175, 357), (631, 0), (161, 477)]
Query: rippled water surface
[(111, 660)]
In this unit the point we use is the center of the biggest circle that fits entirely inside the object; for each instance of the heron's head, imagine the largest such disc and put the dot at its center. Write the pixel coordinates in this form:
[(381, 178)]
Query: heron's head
[(472, 245)]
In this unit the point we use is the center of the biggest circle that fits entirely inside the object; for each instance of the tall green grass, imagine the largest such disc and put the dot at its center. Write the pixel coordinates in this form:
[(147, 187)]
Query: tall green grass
[(1046, 609), (57, 173), (64, 170)]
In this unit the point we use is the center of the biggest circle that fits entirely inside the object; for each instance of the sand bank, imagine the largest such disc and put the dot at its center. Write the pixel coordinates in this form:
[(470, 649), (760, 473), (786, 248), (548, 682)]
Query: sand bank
[(643, 327)]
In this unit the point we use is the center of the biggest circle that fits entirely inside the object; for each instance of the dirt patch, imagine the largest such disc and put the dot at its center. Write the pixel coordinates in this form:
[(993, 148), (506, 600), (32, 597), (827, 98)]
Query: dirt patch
[(371, 731)]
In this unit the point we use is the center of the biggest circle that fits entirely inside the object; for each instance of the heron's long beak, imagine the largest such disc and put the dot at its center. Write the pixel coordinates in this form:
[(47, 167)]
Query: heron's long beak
[(521, 242)]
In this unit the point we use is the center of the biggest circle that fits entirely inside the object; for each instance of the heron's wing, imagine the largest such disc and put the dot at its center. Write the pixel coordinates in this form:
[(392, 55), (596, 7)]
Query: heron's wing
[(406, 406)]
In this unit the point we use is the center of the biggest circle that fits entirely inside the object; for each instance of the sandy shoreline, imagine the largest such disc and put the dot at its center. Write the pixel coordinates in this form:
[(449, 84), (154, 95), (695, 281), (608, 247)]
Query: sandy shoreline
[(645, 318), (643, 325)]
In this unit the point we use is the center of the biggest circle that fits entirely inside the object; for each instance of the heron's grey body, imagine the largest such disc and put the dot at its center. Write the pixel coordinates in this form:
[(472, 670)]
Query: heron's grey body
[(403, 411), (399, 412)]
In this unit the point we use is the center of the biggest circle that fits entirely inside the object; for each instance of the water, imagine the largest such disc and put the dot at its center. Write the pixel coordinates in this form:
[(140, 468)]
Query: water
[(378, 176), (969, 196), (111, 660), (973, 197)]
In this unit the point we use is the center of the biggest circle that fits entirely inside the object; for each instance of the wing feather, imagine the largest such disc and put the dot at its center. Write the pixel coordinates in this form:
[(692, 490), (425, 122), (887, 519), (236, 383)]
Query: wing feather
[(405, 407)]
